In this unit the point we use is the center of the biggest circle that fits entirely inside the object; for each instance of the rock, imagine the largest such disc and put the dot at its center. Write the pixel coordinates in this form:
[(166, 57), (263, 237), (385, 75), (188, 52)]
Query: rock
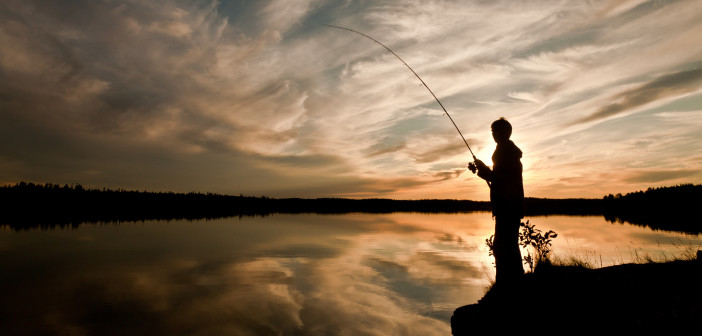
[(629, 298)]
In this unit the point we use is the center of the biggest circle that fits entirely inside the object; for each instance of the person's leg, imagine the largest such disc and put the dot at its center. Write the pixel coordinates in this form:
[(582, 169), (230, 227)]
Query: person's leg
[(508, 259)]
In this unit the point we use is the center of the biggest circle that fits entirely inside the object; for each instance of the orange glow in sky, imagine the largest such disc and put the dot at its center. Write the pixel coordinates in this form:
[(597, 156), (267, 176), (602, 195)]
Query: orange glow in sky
[(260, 98)]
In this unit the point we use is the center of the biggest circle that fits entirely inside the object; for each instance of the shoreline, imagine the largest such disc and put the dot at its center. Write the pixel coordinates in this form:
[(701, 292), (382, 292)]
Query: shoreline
[(632, 297), (49, 205)]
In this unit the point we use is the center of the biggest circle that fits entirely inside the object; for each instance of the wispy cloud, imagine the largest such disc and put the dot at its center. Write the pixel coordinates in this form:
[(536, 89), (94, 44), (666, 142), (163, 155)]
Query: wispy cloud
[(675, 85), (668, 176), (262, 97)]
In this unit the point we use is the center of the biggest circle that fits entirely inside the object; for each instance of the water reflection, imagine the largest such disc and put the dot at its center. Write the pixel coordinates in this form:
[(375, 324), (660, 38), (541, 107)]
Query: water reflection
[(287, 274), (602, 243)]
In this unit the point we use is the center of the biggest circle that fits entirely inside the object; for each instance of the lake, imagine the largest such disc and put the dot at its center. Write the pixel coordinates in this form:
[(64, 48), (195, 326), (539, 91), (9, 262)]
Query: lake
[(353, 274)]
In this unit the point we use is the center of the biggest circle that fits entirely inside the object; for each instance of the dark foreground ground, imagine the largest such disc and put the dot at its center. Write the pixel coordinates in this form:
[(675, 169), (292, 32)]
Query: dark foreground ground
[(653, 297)]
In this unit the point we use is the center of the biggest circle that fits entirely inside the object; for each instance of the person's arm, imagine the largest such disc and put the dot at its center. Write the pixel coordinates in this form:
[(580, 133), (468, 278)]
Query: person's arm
[(484, 171)]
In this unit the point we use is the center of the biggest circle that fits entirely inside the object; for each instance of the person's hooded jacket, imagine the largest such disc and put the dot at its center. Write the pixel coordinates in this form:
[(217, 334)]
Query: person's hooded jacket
[(506, 186)]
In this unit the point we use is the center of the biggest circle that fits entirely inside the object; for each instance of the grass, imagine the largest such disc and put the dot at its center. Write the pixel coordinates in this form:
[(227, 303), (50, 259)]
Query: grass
[(569, 293), (639, 256)]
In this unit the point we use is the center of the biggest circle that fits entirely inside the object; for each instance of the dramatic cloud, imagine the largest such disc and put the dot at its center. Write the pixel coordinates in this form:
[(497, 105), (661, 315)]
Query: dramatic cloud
[(675, 85), (261, 98)]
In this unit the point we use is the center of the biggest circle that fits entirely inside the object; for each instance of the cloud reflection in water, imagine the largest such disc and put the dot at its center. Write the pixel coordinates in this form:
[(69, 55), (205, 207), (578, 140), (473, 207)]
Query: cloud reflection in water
[(354, 274), (292, 275)]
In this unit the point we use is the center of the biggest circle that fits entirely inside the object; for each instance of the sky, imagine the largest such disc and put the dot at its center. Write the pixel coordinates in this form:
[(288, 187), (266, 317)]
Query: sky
[(261, 98)]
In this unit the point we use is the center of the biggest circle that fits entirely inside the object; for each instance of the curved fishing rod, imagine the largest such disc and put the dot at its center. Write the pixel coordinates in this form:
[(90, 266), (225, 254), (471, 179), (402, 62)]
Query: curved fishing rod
[(420, 79)]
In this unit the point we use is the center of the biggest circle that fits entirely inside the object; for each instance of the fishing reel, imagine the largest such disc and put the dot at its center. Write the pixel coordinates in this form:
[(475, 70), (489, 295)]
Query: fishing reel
[(472, 167)]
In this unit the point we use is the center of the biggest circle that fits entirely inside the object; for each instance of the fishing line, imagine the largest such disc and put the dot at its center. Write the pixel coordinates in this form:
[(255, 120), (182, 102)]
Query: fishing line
[(420, 79)]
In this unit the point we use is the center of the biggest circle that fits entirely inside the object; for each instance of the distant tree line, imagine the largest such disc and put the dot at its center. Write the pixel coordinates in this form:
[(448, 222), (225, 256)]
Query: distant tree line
[(30, 205), (666, 208), (672, 208)]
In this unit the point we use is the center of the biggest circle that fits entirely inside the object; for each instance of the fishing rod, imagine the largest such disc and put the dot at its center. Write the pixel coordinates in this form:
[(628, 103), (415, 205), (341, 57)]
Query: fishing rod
[(420, 79), (471, 166)]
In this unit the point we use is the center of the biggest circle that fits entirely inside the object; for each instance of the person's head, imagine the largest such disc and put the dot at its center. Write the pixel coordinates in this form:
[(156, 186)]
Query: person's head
[(501, 130)]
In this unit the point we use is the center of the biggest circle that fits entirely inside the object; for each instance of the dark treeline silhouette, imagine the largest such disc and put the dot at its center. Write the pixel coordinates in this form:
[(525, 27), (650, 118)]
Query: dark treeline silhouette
[(674, 208), (563, 206), (30, 205)]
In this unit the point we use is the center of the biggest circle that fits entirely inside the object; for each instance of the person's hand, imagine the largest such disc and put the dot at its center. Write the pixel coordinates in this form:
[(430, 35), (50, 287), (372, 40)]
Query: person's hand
[(480, 165), (472, 167), (483, 170)]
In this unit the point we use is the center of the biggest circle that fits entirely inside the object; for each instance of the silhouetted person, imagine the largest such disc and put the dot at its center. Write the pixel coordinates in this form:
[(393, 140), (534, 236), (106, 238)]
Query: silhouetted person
[(507, 200)]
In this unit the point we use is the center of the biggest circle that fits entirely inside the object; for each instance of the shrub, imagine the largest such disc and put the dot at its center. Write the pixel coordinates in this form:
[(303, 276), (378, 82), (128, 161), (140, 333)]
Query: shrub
[(540, 244), (529, 235)]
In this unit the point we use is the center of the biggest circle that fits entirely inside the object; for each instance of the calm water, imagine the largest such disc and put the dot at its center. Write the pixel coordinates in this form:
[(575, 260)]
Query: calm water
[(359, 274)]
